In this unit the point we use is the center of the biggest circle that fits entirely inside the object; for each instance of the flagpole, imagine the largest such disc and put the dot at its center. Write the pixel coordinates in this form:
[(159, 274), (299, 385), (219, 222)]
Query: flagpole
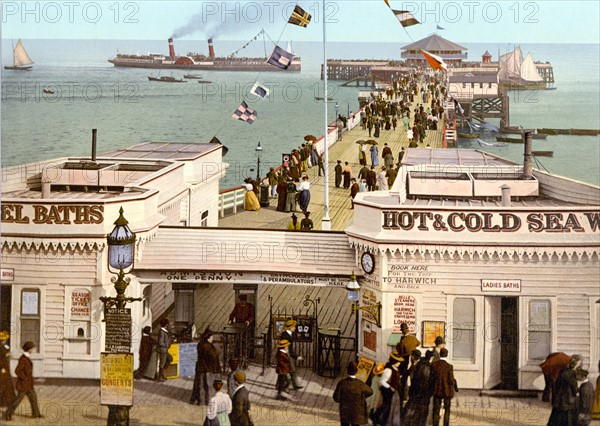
[(326, 221)]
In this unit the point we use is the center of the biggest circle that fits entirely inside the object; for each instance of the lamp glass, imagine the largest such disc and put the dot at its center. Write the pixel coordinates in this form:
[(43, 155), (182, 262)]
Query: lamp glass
[(353, 289), (120, 256), (258, 150), (353, 296), (120, 244)]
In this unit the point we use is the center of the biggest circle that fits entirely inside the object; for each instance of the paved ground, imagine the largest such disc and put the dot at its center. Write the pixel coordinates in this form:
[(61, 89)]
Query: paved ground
[(76, 402)]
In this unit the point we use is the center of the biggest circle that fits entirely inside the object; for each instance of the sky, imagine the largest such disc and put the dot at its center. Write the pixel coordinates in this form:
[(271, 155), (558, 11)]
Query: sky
[(366, 20)]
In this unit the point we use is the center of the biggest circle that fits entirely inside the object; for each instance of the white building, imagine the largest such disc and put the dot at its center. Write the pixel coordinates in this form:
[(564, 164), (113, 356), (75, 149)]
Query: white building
[(467, 84), (55, 219), (507, 284)]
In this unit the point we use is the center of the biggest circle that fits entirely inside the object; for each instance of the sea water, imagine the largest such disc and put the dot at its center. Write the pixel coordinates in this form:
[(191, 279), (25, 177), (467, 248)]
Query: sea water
[(127, 109)]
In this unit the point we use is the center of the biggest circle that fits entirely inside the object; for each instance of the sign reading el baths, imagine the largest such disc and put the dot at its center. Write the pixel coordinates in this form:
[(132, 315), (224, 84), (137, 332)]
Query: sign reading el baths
[(491, 221), (52, 214)]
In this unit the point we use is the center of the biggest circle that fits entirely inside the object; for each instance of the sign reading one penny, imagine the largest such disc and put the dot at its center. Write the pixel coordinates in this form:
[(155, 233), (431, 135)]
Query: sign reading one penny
[(116, 379), (504, 286), (118, 330), (405, 310), (53, 214)]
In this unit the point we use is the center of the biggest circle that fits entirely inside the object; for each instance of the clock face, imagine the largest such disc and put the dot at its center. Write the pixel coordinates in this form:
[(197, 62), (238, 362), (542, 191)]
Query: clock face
[(368, 262)]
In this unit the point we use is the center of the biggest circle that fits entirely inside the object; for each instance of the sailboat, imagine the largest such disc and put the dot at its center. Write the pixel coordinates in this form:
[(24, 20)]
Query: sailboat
[(517, 73), (21, 60)]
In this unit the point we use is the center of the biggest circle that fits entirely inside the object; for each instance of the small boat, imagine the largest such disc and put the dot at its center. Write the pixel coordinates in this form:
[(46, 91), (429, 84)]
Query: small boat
[(543, 153), (469, 135), (48, 91), (320, 98), (192, 76), (21, 60), (204, 81), (165, 79)]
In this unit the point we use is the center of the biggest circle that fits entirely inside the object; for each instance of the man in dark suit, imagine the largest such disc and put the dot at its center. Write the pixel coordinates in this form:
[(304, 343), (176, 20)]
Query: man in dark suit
[(206, 366), (417, 407), (443, 385), (164, 342), (338, 174), (24, 372), (146, 346), (288, 334), (351, 394), (240, 402)]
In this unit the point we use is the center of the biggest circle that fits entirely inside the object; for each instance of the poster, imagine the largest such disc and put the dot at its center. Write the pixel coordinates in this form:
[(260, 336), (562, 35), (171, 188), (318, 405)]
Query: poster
[(118, 330), (116, 379), (188, 355), (80, 305), (365, 365), (369, 298), (431, 330), (405, 310), (172, 371)]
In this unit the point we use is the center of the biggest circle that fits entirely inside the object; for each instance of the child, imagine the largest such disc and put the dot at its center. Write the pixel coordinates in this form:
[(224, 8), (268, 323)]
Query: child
[(233, 367), (586, 399)]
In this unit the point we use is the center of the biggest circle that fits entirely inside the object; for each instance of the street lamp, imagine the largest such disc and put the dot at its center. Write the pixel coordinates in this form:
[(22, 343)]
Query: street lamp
[(117, 339), (339, 133), (353, 296), (258, 150)]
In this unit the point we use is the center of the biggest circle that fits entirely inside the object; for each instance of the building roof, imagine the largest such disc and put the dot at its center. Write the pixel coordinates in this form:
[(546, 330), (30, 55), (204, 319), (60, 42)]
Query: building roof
[(487, 54), (434, 43), (445, 157), (163, 151)]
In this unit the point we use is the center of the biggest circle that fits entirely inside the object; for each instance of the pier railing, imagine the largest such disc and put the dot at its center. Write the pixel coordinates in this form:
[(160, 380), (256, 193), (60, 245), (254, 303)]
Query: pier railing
[(231, 199)]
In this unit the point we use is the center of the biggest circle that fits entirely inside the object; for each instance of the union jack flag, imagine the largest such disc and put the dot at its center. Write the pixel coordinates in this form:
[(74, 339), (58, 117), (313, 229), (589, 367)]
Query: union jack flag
[(300, 17), (244, 113)]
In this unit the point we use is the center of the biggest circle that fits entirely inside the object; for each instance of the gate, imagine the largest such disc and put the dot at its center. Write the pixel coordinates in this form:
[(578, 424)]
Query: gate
[(305, 342)]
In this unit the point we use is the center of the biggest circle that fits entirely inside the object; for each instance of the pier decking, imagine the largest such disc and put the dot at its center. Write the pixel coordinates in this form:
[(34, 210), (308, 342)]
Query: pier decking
[(340, 210)]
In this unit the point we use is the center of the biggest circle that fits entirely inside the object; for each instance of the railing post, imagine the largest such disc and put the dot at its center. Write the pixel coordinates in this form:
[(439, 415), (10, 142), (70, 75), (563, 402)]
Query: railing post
[(222, 205), (235, 201)]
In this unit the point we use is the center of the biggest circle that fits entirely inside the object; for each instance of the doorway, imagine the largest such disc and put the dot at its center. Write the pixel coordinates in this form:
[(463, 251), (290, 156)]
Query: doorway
[(5, 304), (501, 343)]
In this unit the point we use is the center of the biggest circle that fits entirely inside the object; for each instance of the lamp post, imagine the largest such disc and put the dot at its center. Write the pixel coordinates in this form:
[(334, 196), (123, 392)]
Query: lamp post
[(337, 126), (117, 339), (353, 296), (258, 150)]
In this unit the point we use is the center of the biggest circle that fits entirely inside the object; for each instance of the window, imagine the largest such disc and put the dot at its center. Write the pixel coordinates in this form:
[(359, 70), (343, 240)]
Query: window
[(463, 329), (539, 330), (204, 219), (489, 85), (481, 85), (464, 85), (30, 317), (184, 306), (472, 85), (147, 295)]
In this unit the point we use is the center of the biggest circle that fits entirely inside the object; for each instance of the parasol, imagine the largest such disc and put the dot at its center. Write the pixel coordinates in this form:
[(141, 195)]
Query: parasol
[(360, 141), (310, 138), (372, 142)]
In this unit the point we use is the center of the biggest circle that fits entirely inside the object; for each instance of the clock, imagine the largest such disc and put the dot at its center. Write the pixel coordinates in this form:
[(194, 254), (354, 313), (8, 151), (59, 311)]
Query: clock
[(367, 262)]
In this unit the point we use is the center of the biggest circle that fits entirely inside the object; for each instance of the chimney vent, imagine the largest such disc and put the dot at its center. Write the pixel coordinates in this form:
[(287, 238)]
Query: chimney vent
[(211, 49), (171, 49), (506, 200), (94, 132)]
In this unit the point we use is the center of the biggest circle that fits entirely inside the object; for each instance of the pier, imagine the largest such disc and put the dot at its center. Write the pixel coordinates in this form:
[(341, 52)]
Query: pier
[(345, 149)]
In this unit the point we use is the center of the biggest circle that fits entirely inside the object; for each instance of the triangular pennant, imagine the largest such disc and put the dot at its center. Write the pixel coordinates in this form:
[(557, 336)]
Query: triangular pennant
[(300, 17), (434, 61)]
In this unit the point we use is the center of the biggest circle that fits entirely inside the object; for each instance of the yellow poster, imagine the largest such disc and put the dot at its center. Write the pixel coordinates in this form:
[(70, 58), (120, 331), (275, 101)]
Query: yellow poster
[(116, 379), (431, 330), (172, 371), (365, 365)]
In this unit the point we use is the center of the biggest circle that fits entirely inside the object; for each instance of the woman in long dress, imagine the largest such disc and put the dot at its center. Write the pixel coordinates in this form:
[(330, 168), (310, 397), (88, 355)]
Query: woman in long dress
[(304, 189), (374, 156), (564, 407), (596, 406), (220, 405), (382, 183), (7, 391), (250, 200), (281, 194)]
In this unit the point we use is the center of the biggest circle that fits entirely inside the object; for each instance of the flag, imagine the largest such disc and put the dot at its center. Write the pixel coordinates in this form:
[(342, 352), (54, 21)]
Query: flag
[(440, 28), (260, 90), (388, 3), (405, 17), (281, 58), (244, 113), (300, 17), (435, 61)]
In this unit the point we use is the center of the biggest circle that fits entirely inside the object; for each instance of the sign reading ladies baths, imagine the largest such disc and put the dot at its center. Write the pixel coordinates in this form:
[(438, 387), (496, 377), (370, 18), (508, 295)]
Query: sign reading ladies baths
[(492, 222), (52, 214)]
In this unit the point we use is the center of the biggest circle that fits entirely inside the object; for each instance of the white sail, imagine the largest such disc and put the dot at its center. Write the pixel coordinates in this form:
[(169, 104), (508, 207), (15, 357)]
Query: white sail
[(529, 70), (510, 65), (21, 58)]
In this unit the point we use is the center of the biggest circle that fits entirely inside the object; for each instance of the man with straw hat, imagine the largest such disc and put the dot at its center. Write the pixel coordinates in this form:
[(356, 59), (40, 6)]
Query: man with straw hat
[(288, 334), (240, 401), (282, 369), (390, 383), (7, 391)]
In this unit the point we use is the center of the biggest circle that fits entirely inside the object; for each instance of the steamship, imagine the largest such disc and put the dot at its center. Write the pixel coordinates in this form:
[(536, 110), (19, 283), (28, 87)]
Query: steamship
[(195, 61)]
